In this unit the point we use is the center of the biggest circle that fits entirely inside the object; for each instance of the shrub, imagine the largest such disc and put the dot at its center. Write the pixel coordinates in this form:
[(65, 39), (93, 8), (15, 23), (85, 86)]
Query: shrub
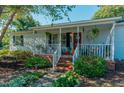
[(24, 80), (4, 52), (37, 62), (69, 79), (90, 66), (21, 55)]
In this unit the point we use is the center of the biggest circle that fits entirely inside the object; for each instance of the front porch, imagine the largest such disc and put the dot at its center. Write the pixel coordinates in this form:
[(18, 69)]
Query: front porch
[(73, 42)]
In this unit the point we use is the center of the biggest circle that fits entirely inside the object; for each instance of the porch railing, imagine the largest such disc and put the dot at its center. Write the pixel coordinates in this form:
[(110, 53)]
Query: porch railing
[(101, 50), (51, 49), (46, 49), (76, 54)]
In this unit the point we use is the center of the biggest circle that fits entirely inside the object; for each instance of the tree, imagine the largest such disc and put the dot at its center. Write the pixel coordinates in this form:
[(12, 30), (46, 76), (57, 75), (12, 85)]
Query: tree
[(24, 23), (56, 12), (1, 10), (109, 11)]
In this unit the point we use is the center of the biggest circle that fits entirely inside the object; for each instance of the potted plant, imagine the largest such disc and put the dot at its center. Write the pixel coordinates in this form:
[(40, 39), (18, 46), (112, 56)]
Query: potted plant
[(66, 53)]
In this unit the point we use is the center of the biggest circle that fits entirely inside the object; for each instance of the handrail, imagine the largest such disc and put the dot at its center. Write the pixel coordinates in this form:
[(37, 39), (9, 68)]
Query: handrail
[(76, 54), (56, 56)]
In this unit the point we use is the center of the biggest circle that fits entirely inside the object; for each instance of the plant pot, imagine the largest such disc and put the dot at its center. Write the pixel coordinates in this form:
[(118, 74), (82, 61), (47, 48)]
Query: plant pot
[(111, 65)]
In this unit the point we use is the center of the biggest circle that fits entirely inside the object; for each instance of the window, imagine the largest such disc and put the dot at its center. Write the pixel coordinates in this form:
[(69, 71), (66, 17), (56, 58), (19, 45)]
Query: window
[(18, 40)]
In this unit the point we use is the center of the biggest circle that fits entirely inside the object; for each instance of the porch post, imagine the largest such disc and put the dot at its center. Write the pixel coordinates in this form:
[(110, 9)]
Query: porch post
[(78, 40), (33, 42), (113, 39), (78, 34), (60, 39)]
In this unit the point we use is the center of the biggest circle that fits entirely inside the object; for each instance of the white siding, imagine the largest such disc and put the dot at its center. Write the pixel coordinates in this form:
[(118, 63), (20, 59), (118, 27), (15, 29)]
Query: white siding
[(29, 41), (119, 42)]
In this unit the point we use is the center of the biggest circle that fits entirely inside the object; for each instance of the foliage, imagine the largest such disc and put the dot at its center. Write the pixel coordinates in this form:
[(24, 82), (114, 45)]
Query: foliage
[(90, 66), (69, 79), (107, 11), (38, 62), (24, 80), (21, 55), (93, 34), (4, 52), (5, 42), (24, 23)]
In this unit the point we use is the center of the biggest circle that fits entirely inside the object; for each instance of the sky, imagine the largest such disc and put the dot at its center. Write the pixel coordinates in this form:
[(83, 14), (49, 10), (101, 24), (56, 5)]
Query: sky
[(81, 12)]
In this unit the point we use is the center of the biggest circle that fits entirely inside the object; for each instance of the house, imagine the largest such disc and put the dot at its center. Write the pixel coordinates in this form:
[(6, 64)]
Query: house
[(101, 37)]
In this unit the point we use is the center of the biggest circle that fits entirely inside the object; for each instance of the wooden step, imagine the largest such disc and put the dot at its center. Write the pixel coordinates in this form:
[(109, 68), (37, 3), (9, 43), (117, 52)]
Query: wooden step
[(64, 64), (63, 69)]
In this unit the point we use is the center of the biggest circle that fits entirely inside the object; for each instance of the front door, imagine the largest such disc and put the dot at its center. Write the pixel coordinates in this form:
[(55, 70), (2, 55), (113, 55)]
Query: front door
[(68, 40), (75, 39)]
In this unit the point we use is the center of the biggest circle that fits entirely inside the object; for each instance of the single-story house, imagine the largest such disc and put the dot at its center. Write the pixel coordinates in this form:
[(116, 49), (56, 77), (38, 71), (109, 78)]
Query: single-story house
[(100, 37)]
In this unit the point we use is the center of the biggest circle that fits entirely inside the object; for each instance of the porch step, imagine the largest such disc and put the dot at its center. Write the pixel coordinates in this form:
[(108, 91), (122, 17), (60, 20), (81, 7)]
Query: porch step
[(64, 64)]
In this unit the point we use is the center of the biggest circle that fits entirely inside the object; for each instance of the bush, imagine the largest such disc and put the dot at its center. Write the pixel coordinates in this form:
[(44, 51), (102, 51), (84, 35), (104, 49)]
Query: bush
[(4, 52), (24, 80), (21, 55), (91, 66), (37, 62), (69, 79)]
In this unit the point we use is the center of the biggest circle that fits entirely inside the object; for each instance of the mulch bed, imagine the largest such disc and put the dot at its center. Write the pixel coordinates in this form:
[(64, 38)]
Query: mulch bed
[(111, 79)]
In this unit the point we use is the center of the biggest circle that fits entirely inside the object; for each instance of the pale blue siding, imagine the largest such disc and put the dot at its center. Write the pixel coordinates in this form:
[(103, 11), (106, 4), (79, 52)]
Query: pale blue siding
[(119, 41)]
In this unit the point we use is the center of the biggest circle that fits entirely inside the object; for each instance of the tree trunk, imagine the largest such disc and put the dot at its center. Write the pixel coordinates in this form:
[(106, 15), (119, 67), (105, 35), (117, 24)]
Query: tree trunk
[(1, 10), (4, 29)]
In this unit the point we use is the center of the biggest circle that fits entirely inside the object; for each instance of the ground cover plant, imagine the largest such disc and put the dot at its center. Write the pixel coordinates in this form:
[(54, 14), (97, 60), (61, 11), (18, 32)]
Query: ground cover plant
[(69, 79), (23, 80)]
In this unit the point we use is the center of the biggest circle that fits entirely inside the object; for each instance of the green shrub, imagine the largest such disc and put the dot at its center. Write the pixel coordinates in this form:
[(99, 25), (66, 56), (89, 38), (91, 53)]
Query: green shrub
[(69, 79), (90, 66), (21, 55), (37, 62), (4, 52), (24, 80)]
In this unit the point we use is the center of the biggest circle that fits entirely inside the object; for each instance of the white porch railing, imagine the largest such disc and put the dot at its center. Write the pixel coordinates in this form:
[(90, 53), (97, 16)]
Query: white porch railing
[(51, 49), (101, 50), (56, 55), (76, 54), (46, 49)]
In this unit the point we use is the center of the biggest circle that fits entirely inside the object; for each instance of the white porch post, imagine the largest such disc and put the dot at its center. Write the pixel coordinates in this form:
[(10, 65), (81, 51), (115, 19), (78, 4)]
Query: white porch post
[(60, 40), (33, 42), (113, 39), (78, 30), (78, 35)]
